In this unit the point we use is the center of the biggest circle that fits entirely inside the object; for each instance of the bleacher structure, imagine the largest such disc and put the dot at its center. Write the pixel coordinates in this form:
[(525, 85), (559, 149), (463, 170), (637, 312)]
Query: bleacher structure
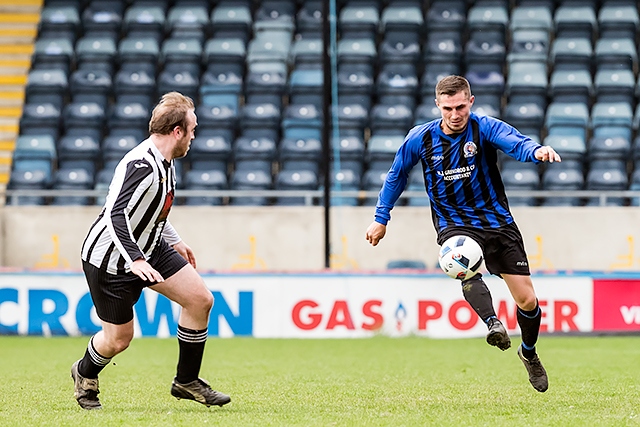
[(564, 72)]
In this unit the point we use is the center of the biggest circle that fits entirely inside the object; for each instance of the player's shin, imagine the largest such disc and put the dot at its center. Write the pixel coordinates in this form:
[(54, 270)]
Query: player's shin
[(92, 362), (477, 294), (191, 343), (529, 322)]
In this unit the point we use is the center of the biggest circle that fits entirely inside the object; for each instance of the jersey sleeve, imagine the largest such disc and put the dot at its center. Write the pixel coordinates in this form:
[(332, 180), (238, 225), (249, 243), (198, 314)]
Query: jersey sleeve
[(508, 139), (137, 178), (395, 182), (169, 234)]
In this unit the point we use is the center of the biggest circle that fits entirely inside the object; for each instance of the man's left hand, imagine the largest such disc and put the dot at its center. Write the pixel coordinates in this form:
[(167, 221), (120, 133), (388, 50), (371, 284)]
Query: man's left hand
[(183, 249)]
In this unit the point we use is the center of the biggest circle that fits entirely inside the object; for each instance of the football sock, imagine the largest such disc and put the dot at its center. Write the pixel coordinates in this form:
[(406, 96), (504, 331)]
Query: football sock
[(477, 294), (191, 343), (92, 362), (529, 322)]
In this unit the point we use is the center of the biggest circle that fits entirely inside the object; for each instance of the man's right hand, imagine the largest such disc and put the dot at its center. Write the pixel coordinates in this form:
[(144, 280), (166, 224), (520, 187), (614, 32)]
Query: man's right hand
[(143, 270), (375, 232)]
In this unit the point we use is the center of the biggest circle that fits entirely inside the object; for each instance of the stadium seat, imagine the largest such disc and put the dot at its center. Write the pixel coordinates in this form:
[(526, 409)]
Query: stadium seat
[(90, 86), (567, 146), (575, 21), (263, 118), (144, 19), (184, 52), (488, 17), (114, 147), (524, 116), (443, 47), (275, 15), (135, 86), (306, 86), (426, 112), (372, 180), (484, 49), (209, 152), (103, 17), (529, 46), (184, 81), (302, 121), (391, 119), (40, 119), (188, 21), (405, 17), (444, 15), (47, 86), (84, 118), (609, 147), (564, 176), (521, 180), (59, 20), (78, 151), (531, 17), (352, 119), (248, 179), (125, 116), (72, 179), (139, 53), (399, 47), (612, 119), (416, 183), (567, 119), (265, 88), (571, 86), (296, 180), (53, 53), (432, 74), (301, 149), (344, 180), (307, 52), (25, 178), (269, 46), (246, 148), (397, 83), (358, 20), (359, 51), (616, 54), (615, 86), (205, 180), (355, 84), (383, 148), (96, 52), (607, 175), (617, 20), (527, 78), (231, 19), (309, 19), (571, 53)]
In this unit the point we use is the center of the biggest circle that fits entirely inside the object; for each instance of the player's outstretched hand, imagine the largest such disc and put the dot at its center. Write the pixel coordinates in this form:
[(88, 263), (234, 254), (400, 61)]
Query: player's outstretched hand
[(375, 232), (547, 154), (143, 270), (183, 249)]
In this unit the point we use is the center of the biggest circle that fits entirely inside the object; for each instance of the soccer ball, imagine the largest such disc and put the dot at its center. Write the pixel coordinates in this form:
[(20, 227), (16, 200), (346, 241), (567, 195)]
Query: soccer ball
[(460, 257)]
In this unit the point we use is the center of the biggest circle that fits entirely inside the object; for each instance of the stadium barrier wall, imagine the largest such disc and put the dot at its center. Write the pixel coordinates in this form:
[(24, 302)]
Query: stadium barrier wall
[(326, 306), (238, 238)]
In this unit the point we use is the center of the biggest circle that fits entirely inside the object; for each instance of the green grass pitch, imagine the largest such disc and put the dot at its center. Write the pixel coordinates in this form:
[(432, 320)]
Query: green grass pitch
[(594, 381)]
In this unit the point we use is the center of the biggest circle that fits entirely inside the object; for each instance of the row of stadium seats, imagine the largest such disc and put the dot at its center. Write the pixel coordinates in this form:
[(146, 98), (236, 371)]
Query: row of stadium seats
[(254, 70)]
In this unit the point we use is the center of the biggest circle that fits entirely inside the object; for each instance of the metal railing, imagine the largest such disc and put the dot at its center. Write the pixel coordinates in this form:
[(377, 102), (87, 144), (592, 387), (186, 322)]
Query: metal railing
[(315, 197)]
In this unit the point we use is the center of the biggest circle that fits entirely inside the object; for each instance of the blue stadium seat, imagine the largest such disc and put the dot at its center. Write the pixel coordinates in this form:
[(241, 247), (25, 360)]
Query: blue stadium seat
[(352, 119), (84, 118), (432, 74), (564, 176), (397, 83), (488, 17), (189, 21), (35, 147), (526, 116), (40, 119), (359, 20), (307, 52), (355, 84), (344, 180), (221, 89), (309, 19), (612, 119), (615, 86), (205, 180), (144, 19), (571, 86), (571, 53), (567, 146), (383, 148), (246, 148), (266, 87), (184, 52), (300, 149), (28, 176), (250, 179), (607, 175), (139, 53), (443, 47), (391, 119), (61, 20), (529, 46), (261, 118), (358, 51), (617, 20), (302, 121), (296, 180), (96, 52), (78, 151), (567, 119), (616, 54), (306, 86), (209, 152), (232, 18), (527, 78), (484, 48), (126, 116), (372, 180), (46, 86), (114, 147), (399, 47), (275, 15), (185, 81), (447, 15), (521, 180), (135, 86), (405, 17), (269, 46), (426, 112), (531, 17), (103, 17), (52, 53), (575, 21), (72, 179), (609, 147), (90, 86)]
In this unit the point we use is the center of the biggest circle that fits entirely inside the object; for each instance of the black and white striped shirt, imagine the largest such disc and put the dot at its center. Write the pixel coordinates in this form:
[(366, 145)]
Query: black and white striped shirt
[(134, 217)]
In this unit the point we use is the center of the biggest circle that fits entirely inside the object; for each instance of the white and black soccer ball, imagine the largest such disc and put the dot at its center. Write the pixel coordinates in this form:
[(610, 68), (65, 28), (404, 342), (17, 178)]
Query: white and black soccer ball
[(460, 257)]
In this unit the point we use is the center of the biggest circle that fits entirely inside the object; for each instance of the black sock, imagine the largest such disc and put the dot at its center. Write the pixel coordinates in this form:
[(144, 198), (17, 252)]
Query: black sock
[(191, 343), (477, 294), (529, 322), (92, 362)]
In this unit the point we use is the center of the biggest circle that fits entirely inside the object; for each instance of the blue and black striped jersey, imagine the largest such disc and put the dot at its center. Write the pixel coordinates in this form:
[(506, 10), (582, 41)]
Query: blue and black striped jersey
[(461, 174)]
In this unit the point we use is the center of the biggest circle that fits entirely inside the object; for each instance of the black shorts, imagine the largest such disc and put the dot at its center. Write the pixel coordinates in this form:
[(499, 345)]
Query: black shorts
[(114, 295), (503, 247)]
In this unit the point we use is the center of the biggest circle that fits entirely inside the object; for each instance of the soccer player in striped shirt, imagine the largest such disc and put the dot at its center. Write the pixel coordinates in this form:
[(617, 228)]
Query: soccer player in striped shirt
[(132, 245), (458, 153)]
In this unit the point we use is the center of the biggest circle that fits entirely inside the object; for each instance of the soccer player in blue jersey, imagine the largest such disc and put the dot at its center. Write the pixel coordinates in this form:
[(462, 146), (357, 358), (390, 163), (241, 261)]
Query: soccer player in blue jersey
[(458, 153)]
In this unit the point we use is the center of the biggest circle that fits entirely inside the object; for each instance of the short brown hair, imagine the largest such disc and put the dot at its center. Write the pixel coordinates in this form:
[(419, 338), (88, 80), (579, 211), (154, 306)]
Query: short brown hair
[(170, 112), (451, 85)]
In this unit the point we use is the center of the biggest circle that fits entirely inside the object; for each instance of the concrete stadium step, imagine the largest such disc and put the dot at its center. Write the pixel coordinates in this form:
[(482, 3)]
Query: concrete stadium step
[(18, 31)]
